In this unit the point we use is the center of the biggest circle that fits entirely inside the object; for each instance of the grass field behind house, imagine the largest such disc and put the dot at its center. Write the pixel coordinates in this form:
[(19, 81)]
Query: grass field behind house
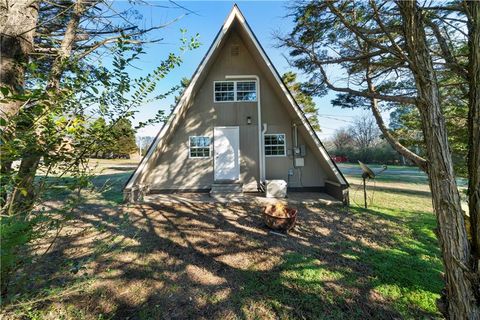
[(414, 258), (218, 261)]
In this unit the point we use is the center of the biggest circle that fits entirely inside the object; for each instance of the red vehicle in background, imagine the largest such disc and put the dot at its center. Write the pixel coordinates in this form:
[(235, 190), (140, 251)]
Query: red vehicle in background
[(340, 159)]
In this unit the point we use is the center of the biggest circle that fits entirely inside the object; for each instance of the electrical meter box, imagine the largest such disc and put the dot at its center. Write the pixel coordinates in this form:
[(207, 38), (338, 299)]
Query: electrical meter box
[(299, 151), (303, 151), (276, 189)]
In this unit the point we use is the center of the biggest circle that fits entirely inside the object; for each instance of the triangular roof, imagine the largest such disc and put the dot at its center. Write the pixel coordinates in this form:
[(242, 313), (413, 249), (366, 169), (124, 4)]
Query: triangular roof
[(234, 15)]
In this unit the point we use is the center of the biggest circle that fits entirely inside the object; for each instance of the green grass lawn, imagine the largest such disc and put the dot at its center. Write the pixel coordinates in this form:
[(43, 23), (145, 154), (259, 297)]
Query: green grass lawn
[(218, 261), (413, 261)]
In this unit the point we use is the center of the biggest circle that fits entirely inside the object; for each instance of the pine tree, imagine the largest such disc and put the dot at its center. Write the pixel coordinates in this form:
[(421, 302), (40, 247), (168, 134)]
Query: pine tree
[(123, 142), (304, 100)]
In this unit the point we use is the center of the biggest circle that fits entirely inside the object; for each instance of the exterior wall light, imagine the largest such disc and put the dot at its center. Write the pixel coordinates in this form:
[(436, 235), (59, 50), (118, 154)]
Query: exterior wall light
[(249, 120)]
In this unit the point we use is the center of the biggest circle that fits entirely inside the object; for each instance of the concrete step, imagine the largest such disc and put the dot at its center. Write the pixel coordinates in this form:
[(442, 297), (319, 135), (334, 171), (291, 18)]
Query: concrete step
[(228, 197), (226, 188)]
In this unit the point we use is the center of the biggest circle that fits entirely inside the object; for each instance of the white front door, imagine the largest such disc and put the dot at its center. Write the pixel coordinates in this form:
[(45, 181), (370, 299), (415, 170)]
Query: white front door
[(226, 151)]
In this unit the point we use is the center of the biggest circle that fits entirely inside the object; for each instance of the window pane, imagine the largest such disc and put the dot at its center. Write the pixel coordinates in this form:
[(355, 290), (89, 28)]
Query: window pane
[(193, 142), (246, 96), (199, 152), (205, 152), (246, 86), (224, 86), (224, 96)]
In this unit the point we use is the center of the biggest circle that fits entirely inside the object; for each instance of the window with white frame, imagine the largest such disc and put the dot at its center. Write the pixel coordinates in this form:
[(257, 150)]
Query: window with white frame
[(246, 91), (231, 91), (224, 91), (275, 145), (199, 147)]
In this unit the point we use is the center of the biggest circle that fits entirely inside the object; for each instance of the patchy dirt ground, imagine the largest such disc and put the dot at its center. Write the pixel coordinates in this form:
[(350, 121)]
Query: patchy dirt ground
[(210, 261)]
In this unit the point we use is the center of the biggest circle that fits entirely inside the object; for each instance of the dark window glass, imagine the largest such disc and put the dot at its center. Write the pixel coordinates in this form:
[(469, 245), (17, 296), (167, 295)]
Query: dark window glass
[(224, 91)]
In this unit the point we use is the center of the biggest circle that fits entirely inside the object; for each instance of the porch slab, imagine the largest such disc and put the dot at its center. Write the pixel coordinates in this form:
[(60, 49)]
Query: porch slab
[(258, 198)]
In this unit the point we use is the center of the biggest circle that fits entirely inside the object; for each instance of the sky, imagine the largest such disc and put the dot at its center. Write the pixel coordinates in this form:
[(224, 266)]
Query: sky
[(205, 18)]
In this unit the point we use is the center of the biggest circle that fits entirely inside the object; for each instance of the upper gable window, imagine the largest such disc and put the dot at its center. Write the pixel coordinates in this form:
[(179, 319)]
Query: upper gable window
[(246, 91), (224, 91), (232, 91)]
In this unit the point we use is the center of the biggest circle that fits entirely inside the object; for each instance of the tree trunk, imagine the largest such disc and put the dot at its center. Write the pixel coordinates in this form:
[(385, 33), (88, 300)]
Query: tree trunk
[(17, 28), (474, 131), (66, 46), (29, 164), (452, 235), (22, 201)]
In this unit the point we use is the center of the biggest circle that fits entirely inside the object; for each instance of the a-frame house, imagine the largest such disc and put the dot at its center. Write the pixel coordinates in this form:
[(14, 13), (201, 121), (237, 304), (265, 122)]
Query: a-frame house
[(236, 124)]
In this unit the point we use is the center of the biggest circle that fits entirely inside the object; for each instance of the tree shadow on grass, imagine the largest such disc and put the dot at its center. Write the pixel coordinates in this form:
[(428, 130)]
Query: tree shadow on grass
[(417, 193), (218, 261), (108, 187), (129, 168)]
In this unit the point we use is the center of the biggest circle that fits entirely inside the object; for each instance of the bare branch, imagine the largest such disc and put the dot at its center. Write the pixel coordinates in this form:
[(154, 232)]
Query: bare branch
[(376, 16), (400, 99), (453, 8), (104, 42), (446, 52), (341, 59), (419, 161)]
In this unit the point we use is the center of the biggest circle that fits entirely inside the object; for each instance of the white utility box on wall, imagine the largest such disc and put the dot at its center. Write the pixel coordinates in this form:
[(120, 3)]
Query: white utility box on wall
[(299, 162), (276, 189)]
